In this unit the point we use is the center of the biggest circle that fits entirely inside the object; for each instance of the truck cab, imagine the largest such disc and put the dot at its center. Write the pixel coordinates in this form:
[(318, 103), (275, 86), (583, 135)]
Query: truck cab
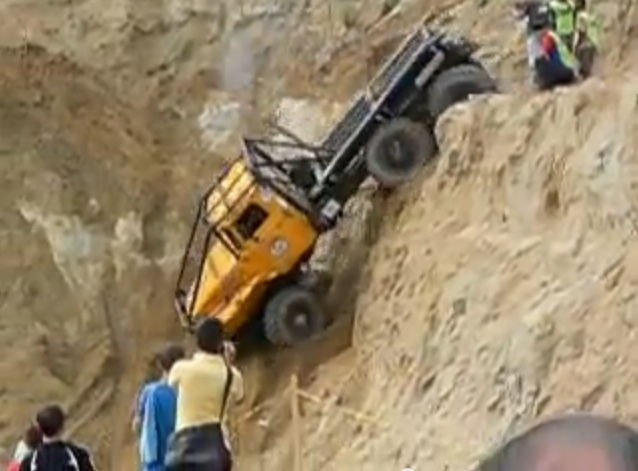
[(252, 236)]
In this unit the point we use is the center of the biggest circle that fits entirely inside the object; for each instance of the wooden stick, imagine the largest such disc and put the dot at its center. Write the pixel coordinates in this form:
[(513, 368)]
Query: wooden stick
[(346, 410), (312, 398), (252, 412), (277, 403), (296, 432)]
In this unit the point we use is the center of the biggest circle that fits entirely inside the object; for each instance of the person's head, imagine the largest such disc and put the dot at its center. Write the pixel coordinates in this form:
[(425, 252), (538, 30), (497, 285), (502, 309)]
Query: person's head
[(209, 335), (50, 421), (539, 18), (32, 437), (574, 442), (168, 355)]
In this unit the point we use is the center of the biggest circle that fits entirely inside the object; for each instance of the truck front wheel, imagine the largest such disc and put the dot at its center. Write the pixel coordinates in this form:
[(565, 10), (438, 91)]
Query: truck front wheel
[(398, 150), (293, 315)]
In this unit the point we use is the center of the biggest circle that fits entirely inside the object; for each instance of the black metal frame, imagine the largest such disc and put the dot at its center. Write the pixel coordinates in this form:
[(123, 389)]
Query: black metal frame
[(276, 173), (211, 232), (259, 157), (259, 160)]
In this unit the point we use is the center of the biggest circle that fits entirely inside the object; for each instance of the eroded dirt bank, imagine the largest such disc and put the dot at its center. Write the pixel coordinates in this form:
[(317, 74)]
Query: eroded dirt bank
[(501, 290), (87, 242)]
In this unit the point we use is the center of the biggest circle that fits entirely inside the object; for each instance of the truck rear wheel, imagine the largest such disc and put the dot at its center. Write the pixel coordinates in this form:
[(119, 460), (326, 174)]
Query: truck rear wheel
[(292, 316), (398, 150), (456, 84)]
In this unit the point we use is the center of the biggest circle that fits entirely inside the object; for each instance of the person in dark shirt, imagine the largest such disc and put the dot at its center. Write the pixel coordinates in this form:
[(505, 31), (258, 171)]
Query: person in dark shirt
[(56, 454), (574, 442)]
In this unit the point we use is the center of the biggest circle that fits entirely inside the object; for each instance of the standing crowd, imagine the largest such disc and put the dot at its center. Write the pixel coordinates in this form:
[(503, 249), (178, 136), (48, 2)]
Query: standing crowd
[(179, 418), (43, 447), (563, 40)]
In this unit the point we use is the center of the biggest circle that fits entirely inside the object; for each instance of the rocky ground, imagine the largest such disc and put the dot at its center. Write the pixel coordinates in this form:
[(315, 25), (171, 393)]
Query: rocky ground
[(494, 290)]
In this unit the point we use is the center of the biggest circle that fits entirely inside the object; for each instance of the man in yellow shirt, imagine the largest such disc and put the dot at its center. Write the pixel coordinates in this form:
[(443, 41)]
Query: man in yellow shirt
[(204, 384)]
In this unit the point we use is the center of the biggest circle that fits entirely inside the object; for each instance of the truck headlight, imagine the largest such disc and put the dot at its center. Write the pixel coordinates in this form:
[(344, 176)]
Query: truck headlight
[(279, 246)]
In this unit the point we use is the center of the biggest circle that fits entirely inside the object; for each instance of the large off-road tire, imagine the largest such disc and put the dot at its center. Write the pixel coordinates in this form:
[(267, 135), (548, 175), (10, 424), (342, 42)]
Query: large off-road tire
[(293, 315), (398, 150), (456, 84)]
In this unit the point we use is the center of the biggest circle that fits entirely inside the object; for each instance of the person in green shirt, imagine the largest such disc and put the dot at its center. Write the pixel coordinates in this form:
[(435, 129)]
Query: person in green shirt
[(587, 37), (564, 19)]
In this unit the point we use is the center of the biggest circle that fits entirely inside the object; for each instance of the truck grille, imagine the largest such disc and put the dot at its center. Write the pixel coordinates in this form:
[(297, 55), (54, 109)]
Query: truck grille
[(389, 71)]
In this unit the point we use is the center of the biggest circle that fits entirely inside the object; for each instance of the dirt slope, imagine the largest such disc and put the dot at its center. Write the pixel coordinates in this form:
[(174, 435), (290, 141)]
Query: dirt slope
[(102, 162), (499, 289), (502, 289)]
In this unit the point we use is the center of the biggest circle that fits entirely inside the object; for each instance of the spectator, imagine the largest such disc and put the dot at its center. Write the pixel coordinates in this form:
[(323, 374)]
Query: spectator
[(153, 373), (574, 442), (157, 411), (204, 384), (56, 454), (31, 440)]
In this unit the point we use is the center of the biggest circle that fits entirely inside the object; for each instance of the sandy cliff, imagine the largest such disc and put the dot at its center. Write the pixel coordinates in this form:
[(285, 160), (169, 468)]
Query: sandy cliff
[(494, 289), (501, 290)]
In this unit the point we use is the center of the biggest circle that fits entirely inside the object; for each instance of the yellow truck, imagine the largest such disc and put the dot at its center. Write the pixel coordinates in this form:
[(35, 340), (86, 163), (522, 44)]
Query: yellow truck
[(246, 260)]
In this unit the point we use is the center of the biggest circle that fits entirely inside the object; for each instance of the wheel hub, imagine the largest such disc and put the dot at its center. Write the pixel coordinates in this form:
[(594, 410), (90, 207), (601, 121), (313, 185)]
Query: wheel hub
[(395, 152), (398, 154), (300, 320)]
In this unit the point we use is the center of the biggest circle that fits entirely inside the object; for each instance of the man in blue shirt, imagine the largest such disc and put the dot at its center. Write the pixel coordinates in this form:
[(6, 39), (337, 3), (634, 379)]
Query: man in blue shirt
[(156, 411)]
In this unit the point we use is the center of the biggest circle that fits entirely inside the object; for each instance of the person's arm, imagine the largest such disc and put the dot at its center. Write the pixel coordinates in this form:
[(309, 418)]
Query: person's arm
[(174, 375), (85, 461), (25, 464), (587, 28), (138, 414), (229, 352), (237, 386), (20, 451), (547, 43)]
